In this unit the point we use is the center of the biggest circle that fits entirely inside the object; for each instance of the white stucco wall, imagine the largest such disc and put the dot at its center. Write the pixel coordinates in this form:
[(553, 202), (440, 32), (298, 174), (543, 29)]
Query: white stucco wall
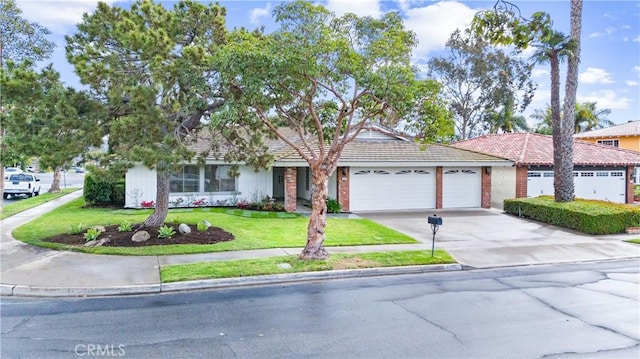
[(503, 185), (141, 186), (251, 183)]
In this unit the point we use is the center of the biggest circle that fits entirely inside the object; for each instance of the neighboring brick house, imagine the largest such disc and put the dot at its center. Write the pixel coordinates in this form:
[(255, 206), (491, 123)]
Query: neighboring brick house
[(378, 171), (626, 135), (600, 171)]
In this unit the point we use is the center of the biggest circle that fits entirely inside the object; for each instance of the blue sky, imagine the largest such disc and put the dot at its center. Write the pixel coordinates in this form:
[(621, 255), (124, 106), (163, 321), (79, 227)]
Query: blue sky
[(610, 58)]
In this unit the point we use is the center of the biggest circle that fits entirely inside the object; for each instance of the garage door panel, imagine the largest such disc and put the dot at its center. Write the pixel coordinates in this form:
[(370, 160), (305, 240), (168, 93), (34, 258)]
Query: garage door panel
[(379, 189), (461, 187), (600, 185)]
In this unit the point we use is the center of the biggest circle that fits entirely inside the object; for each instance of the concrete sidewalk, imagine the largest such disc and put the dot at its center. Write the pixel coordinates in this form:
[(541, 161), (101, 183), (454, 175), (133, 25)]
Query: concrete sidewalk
[(32, 271)]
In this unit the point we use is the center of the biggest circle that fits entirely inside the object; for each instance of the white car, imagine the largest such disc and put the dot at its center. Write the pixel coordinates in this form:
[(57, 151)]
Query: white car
[(11, 171), (21, 183)]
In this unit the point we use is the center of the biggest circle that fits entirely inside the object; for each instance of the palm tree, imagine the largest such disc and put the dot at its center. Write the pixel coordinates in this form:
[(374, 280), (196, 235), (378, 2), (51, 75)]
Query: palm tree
[(505, 121), (588, 118)]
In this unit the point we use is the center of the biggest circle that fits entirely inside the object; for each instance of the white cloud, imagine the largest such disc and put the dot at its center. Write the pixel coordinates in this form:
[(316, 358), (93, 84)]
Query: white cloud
[(607, 31), (435, 23), (595, 76), (636, 69), (636, 39), (632, 83), (606, 99), (57, 15), (540, 73), (358, 7), (258, 13)]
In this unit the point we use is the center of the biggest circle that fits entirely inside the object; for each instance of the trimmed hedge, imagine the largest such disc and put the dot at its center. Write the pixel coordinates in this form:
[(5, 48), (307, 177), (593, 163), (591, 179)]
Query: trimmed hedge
[(100, 190), (588, 216)]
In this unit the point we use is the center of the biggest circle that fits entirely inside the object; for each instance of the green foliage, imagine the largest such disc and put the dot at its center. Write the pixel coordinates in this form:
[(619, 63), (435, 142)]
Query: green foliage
[(154, 65), (499, 81), (588, 216), (102, 187), (333, 206), (22, 40), (202, 226), (166, 232), (92, 234), (76, 228), (45, 119), (125, 226)]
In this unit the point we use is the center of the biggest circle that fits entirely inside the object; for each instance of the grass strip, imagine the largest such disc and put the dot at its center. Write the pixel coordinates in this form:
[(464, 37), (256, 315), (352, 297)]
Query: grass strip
[(271, 265), (28, 203), (636, 241)]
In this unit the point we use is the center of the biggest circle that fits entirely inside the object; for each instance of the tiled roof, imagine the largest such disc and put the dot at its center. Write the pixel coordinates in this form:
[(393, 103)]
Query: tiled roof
[(361, 151), (400, 151), (631, 128), (535, 149)]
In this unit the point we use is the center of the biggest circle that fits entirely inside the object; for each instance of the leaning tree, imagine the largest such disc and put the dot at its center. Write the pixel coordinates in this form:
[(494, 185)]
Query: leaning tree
[(154, 68), (325, 78)]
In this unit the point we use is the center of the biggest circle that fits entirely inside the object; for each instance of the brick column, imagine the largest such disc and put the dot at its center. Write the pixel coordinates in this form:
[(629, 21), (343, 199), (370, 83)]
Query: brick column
[(485, 202), (342, 174), (290, 189), (521, 181), (630, 185), (438, 187)]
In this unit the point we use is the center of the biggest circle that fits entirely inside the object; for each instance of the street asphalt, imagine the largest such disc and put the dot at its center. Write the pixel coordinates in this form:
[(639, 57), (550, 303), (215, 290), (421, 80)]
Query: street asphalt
[(476, 238)]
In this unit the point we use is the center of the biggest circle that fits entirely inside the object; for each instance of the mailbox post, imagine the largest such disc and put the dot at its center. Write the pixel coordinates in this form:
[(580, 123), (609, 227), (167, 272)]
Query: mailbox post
[(435, 223)]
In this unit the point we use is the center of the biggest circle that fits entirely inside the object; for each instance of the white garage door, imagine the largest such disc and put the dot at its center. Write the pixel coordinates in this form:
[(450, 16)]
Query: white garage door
[(461, 187), (539, 183), (602, 185), (380, 189)]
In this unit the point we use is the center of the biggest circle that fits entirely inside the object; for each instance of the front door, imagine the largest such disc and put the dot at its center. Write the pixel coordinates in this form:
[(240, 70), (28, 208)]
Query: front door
[(278, 182)]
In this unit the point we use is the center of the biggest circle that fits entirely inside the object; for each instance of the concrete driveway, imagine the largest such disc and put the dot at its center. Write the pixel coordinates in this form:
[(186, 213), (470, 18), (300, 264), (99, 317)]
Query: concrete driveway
[(484, 238)]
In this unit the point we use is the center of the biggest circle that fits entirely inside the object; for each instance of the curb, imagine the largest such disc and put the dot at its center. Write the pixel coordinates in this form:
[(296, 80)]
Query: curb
[(9, 290)]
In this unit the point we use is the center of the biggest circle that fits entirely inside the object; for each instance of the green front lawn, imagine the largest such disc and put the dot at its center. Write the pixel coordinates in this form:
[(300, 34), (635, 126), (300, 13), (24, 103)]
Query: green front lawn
[(28, 203), (268, 230), (263, 266)]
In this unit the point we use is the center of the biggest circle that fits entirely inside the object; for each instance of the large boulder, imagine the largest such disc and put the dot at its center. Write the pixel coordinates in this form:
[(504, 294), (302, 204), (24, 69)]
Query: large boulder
[(184, 228), (141, 236)]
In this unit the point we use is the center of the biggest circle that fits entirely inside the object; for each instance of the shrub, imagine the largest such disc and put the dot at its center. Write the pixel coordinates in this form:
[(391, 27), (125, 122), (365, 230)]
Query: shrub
[(92, 234), (125, 226), (201, 226), (76, 228), (104, 187), (588, 216), (333, 206), (166, 232)]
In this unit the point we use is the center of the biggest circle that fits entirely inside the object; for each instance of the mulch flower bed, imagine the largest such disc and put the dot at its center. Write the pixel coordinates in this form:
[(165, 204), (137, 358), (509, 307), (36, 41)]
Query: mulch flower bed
[(123, 239)]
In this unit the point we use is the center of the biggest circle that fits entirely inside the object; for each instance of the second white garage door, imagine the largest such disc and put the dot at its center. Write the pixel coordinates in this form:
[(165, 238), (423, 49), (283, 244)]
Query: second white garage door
[(602, 185), (380, 189), (461, 187)]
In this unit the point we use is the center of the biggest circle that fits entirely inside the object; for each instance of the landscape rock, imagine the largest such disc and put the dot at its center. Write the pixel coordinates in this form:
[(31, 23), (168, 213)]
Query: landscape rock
[(102, 242), (91, 243), (141, 236), (100, 228), (206, 223), (184, 228)]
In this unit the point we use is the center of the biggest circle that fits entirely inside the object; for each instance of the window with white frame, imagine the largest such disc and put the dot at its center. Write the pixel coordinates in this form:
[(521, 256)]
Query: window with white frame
[(186, 180), (614, 143), (218, 178)]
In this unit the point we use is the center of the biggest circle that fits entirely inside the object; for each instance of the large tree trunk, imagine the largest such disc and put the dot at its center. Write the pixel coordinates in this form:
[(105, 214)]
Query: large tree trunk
[(560, 184), (565, 191), (55, 184), (156, 219), (314, 248)]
